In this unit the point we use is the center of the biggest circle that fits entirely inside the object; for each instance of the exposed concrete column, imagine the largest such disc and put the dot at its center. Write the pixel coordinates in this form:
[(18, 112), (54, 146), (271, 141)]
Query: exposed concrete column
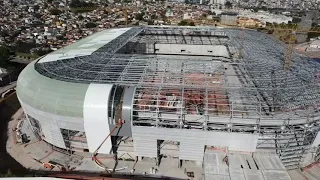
[(180, 163), (157, 161)]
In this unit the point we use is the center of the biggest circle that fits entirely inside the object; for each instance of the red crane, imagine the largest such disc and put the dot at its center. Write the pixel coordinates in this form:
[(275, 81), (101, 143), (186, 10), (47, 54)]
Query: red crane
[(95, 153)]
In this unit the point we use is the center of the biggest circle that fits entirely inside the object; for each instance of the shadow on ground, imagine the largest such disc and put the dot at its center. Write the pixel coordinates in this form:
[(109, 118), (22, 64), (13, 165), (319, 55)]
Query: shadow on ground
[(7, 108)]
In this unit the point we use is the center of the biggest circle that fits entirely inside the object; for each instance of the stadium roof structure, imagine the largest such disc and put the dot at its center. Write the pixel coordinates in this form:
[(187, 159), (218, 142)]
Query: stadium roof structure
[(257, 82), (199, 86)]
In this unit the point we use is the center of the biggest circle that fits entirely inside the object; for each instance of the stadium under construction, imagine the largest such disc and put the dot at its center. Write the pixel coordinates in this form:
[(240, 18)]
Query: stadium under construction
[(179, 92)]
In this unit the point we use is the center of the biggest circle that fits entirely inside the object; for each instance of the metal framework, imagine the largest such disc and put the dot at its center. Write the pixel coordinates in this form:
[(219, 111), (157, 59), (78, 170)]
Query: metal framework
[(74, 139), (251, 93)]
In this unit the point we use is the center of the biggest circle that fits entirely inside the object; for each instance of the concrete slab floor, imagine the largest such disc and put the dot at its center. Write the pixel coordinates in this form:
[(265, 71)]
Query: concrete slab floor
[(81, 161), (14, 149)]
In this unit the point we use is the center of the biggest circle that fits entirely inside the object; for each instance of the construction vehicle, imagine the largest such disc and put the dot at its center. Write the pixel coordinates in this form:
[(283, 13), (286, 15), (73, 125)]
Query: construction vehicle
[(95, 153)]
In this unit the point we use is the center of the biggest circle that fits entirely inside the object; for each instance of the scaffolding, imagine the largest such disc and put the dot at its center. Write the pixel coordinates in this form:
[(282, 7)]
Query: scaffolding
[(251, 93)]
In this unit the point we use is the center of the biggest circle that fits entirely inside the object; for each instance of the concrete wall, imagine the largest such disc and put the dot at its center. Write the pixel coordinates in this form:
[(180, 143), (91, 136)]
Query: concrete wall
[(316, 141), (192, 142), (188, 49)]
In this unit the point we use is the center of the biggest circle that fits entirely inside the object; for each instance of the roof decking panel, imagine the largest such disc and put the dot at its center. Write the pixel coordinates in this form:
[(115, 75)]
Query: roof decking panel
[(85, 46)]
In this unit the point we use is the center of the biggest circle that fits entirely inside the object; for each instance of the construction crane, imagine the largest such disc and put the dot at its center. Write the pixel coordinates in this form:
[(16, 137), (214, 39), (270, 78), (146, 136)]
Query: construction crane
[(125, 13), (95, 153), (291, 33)]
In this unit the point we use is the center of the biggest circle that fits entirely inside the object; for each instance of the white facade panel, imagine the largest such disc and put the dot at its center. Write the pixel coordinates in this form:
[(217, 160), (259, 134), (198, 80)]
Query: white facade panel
[(192, 142), (85, 46), (192, 147), (146, 147), (48, 123), (316, 141), (191, 150), (52, 134), (234, 141), (145, 143), (71, 123), (95, 115)]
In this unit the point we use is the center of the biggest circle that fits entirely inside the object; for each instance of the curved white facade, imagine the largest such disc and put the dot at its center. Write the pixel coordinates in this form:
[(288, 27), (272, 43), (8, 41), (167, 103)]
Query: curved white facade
[(94, 120), (96, 117)]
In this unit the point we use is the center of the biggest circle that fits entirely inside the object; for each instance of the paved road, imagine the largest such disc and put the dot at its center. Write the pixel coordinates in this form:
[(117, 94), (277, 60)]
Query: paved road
[(6, 88), (10, 86), (21, 60)]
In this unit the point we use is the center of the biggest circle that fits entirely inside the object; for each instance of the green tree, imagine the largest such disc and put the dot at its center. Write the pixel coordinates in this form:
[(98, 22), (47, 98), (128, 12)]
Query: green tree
[(228, 5), (75, 3), (90, 25), (8, 174), (36, 8), (81, 4), (212, 13), (183, 23), (268, 24), (55, 11), (296, 20), (192, 24), (150, 22), (204, 15), (153, 16), (139, 16), (315, 24), (4, 56), (80, 17)]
